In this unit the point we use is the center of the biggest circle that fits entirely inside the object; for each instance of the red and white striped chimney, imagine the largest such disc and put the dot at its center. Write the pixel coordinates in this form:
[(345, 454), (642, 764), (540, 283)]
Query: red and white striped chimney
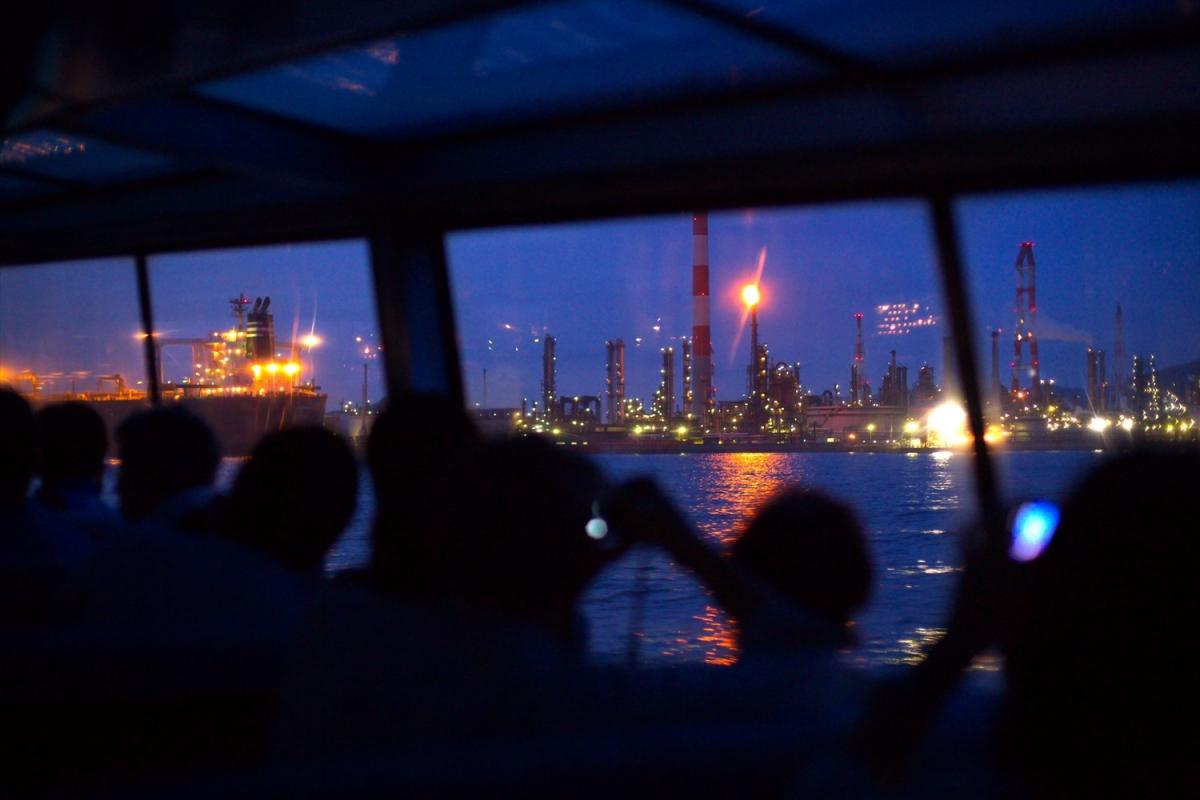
[(701, 336)]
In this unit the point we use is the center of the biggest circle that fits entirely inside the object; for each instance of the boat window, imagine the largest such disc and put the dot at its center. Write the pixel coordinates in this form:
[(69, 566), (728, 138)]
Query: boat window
[(72, 331), (78, 160), (1087, 335), (901, 34), (256, 339), (587, 334), (531, 62)]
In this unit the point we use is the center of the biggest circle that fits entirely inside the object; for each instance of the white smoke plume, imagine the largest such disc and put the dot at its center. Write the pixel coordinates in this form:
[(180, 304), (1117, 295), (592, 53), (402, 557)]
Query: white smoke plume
[(1051, 330)]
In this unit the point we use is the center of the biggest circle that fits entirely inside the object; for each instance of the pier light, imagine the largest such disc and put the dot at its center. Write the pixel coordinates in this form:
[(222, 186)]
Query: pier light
[(272, 368), (257, 370), (311, 340), (291, 368), (750, 294)]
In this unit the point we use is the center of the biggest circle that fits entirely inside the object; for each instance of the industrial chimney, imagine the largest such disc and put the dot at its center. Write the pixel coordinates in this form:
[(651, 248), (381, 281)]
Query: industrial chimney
[(701, 332)]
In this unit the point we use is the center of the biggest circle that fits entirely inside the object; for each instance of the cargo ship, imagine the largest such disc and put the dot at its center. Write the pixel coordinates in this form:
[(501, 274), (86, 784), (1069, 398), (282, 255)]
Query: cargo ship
[(243, 382)]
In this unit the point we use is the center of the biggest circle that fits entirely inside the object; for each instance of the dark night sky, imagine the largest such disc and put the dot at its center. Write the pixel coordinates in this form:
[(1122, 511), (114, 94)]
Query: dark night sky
[(585, 283), (83, 316)]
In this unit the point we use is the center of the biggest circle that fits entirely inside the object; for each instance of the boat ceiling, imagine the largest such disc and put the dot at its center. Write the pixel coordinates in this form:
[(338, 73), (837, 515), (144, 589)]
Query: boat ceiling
[(170, 126)]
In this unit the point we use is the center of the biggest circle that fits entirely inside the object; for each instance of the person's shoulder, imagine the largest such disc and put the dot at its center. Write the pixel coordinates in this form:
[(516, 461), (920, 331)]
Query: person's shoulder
[(87, 514), (35, 537)]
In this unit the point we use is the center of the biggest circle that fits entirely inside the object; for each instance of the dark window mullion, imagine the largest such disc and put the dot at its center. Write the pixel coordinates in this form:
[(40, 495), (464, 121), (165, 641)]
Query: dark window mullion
[(941, 207), (151, 350)]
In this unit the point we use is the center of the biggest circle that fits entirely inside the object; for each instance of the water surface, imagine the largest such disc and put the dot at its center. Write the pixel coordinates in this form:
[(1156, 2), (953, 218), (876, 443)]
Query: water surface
[(914, 506)]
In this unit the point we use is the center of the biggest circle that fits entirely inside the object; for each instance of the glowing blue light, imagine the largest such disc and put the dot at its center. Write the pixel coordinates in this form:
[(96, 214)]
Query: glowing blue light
[(596, 528), (1033, 528)]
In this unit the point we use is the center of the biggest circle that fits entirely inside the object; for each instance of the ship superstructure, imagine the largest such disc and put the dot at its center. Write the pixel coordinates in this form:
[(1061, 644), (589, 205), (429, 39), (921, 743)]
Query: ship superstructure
[(241, 381), (243, 359)]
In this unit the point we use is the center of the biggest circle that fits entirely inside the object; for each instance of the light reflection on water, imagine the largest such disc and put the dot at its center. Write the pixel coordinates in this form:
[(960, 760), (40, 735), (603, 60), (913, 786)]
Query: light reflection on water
[(911, 507)]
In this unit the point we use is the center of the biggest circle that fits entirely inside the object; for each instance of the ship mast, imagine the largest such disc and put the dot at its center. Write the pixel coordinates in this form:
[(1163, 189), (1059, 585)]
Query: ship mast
[(238, 305)]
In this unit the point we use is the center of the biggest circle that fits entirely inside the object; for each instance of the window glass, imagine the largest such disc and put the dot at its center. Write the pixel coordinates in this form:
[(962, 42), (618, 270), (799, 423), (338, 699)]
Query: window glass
[(513, 64), (258, 339), (587, 334), (75, 158), (1090, 296), (902, 33), (71, 331)]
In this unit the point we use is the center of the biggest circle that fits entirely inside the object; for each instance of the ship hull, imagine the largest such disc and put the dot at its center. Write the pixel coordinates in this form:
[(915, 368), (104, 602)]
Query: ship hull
[(238, 421)]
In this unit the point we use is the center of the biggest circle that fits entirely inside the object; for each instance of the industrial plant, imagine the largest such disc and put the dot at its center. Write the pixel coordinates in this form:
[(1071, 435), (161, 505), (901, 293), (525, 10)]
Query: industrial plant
[(776, 410)]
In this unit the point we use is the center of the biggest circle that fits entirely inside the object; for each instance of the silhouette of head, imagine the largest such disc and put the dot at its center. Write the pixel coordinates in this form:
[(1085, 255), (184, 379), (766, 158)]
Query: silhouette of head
[(516, 538), (16, 432), (812, 548), (1098, 678), (72, 443), (409, 444), (294, 496), (163, 451)]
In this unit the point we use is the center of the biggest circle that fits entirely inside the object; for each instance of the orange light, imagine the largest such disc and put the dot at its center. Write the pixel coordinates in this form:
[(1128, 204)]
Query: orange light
[(272, 368), (750, 294), (291, 368)]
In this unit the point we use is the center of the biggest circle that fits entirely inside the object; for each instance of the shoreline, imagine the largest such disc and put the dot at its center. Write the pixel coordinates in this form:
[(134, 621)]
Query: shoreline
[(734, 446)]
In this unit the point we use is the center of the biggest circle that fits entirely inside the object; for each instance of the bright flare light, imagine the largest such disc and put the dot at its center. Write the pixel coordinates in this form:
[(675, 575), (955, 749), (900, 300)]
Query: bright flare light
[(311, 340), (1099, 424), (947, 423), (994, 434), (750, 294), (1033, 527), (1127, 424)]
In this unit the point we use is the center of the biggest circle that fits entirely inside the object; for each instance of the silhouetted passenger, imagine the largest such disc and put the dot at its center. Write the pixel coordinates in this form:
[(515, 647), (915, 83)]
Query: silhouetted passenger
[(1096, 633), (771, 616), (517, 541), (294, 496), (1102, 687), (72, 444), (812, 549), (169, 459), (409, 445), (38, 559), (17, 463)]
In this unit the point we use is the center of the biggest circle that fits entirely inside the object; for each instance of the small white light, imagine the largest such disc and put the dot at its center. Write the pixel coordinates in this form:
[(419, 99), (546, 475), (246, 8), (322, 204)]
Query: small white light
[(596, 528)]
